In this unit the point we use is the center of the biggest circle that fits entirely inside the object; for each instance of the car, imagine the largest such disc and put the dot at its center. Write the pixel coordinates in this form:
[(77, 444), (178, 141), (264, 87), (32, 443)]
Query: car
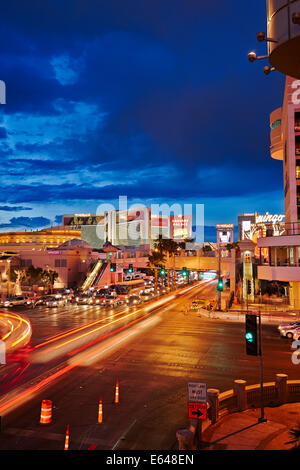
[(84, 299), (35, 302), (144, 296), (286, 325), (98, 299), (296, 334), (133, 300), (16, 300), (111, 301), (287, 331), (56, 302)]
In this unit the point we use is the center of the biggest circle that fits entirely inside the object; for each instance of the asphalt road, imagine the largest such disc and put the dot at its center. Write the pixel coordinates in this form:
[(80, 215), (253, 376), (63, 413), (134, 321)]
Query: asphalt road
[(153, 365)]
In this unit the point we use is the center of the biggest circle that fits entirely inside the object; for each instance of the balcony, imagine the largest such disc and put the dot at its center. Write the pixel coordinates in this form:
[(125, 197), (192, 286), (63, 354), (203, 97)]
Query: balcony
[(279, 273), (283, 228)]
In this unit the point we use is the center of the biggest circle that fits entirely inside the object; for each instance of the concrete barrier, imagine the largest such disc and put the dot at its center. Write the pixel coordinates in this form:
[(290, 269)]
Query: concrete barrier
[(240, 398)]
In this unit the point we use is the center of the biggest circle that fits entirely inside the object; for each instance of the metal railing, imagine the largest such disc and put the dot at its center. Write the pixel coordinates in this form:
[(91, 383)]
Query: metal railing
[(283, 229)]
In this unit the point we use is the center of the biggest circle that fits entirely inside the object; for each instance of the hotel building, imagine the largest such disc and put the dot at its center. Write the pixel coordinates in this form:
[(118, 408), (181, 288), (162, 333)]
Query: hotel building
[(283, 260), (129, 227)]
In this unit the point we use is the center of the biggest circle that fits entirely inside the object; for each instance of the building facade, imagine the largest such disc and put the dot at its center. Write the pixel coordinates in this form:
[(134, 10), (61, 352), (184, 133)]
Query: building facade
[(36, 240), (282, 262), (129, 227)]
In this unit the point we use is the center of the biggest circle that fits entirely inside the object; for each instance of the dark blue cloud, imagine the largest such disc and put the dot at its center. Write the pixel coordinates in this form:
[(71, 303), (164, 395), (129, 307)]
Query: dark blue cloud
[(14, 208), (28, 222), (152, 99)]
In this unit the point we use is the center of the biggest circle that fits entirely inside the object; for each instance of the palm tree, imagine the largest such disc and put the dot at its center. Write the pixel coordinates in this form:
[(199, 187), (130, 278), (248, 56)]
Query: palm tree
[(156, 259), (48, 277), (168, 246), (295, 433)]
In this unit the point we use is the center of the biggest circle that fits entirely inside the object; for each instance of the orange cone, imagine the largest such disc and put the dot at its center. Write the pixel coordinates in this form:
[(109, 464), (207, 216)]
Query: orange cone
[(67, 439), (46, 412), (117, 392), (100, 411)]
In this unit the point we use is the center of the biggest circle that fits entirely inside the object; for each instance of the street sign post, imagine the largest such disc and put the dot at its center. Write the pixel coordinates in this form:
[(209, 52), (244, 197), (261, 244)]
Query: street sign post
[(197, 405), (197, 392)]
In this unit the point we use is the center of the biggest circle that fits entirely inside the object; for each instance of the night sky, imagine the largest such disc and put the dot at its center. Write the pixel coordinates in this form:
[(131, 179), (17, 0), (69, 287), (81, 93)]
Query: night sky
[(152, 99)]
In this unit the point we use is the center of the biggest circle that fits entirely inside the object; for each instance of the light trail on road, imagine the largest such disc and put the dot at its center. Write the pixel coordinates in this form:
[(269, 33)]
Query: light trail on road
[(19, 330), (86, 352)]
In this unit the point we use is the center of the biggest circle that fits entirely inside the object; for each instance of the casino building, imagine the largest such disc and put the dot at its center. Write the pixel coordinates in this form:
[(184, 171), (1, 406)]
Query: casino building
[(138, 227), (36, 240), (282, 262)]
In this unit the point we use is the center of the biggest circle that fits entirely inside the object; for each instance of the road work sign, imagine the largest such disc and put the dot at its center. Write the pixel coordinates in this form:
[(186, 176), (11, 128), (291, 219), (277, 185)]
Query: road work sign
[(197, 410)]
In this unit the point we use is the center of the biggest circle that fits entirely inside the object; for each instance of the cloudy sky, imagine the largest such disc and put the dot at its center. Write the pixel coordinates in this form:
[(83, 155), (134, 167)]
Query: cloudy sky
[(152, 99)]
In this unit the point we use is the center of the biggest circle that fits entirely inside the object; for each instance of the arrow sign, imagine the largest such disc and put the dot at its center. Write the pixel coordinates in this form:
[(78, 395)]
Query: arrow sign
[(197, 413), (197, 410)]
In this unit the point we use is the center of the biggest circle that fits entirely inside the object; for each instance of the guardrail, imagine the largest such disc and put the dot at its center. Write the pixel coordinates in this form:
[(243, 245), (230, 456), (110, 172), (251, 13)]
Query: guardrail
[(240, 398)]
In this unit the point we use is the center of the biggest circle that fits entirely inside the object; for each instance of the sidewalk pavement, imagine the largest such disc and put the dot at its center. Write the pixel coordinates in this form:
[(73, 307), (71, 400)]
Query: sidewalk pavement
[(242, 431), (239, 316)]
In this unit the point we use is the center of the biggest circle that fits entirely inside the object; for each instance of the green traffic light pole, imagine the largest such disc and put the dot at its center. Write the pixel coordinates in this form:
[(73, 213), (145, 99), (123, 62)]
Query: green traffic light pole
[(262, 418)]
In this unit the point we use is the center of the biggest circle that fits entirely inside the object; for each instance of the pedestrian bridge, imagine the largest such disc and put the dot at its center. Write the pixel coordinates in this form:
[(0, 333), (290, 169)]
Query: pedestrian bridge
[(194, 262)]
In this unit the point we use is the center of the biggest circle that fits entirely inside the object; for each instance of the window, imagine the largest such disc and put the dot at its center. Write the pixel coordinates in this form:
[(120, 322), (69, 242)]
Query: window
[(25, 263), (60, 263), (297, 122), (297, 144)]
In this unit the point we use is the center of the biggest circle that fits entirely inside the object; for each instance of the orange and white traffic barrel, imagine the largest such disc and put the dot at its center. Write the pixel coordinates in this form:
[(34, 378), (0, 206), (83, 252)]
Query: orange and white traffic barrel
[(46, 412), (117, 392), (67, 439), (100, 411)]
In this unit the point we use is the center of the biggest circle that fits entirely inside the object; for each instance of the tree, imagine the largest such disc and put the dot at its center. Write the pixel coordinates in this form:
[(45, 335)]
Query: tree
[(295, 433), (207, 248), (33, 275), (154, 260), (166, 245), (48, 277)]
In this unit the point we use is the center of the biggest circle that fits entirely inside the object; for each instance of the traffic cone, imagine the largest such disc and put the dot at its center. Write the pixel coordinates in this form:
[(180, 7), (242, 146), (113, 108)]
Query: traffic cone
[(67, 439), (46, 412), (100, 411), (117, 392)]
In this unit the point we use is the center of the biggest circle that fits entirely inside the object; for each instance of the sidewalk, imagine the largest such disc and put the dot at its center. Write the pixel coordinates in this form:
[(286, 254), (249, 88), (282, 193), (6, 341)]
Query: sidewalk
[(239, 316), (241, 431)]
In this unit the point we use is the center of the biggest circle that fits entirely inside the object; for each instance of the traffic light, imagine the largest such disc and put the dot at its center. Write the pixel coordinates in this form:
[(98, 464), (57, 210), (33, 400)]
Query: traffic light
[(113, 267), (220, 285), (251, 334), (130, 268), (249, 287), (184, 272), (162, 271)]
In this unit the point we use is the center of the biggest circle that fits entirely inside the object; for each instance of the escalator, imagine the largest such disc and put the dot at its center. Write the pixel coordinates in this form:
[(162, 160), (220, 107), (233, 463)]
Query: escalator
[(100, 273), (94, 275)]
